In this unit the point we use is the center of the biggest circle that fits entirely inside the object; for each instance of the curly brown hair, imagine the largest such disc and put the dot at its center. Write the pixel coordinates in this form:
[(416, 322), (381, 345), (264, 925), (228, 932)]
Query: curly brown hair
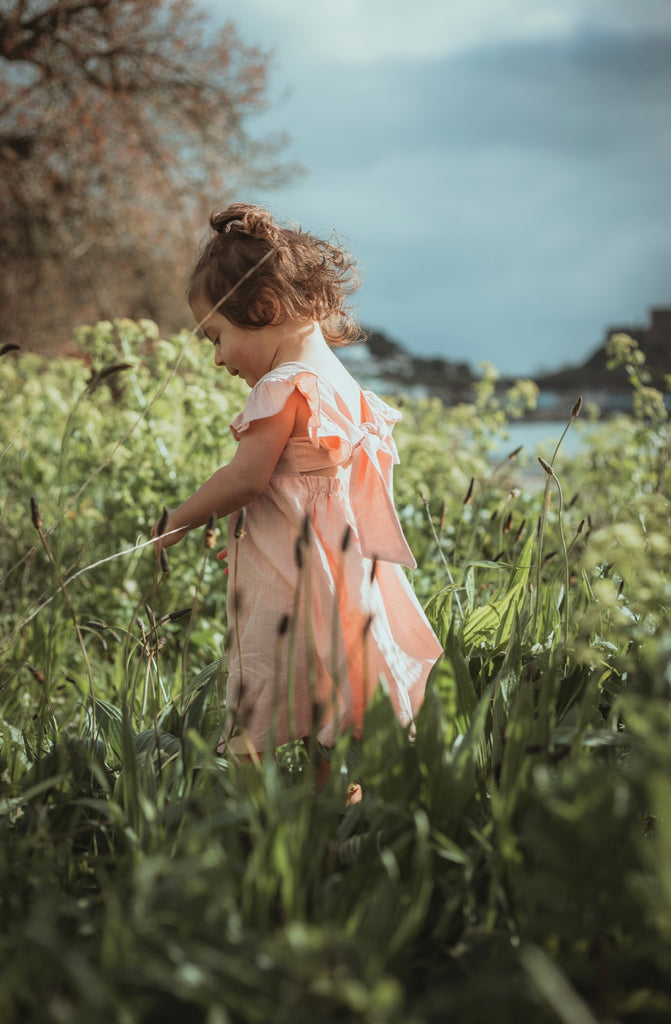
[(275, 274)]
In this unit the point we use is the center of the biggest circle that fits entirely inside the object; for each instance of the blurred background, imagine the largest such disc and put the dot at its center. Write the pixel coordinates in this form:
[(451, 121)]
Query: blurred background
[(501, 169)]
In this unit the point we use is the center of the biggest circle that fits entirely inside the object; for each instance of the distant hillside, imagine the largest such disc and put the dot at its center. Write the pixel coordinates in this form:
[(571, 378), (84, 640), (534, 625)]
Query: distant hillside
[(384, 364)]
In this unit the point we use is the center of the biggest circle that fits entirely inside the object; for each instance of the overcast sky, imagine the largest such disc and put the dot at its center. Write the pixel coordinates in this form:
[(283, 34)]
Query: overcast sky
[(502, 168)]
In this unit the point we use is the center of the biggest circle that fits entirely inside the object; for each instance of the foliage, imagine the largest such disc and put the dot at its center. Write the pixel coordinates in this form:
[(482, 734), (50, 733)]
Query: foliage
[(510, 859), (114, 117)]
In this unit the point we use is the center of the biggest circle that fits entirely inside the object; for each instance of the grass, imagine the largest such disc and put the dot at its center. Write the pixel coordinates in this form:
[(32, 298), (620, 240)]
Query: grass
[(511, 858)]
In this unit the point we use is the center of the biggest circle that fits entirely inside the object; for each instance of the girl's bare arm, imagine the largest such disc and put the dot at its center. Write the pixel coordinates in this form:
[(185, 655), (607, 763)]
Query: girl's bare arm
[(243, 479)]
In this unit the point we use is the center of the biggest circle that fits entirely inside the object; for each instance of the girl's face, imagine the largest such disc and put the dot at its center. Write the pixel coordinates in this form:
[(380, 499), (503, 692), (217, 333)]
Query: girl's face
[(240, 350)]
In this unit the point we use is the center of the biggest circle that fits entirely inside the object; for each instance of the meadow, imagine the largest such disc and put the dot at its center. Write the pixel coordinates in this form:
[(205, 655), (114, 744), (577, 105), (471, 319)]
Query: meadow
[(511, 861)]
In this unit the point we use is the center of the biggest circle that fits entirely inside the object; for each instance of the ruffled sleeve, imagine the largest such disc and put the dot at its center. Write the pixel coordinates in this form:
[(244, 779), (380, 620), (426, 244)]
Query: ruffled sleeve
[(269, 396)]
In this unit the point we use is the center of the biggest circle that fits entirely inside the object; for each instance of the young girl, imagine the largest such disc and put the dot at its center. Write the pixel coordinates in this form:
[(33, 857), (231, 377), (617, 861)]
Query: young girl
[(319, 609)]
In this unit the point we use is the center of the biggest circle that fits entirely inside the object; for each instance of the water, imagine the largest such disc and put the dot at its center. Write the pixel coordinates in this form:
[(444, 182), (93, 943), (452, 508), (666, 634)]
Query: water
[(539, 437)]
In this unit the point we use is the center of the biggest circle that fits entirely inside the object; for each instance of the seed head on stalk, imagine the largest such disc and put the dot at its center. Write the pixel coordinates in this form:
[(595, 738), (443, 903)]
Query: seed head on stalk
[(163, 522), (240, 525), (35, 513), (211, 530), (180, 613), (283, 625)]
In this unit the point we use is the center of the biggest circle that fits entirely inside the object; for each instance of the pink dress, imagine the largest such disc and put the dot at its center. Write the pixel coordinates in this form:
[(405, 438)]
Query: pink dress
[(319, 609)]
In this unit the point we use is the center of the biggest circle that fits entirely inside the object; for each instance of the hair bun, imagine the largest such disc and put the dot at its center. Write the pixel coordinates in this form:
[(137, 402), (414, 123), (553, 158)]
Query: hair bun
[(223, 222)]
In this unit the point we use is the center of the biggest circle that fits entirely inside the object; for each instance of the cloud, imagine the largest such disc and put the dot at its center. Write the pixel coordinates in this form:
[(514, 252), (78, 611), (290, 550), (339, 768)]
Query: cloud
[(647, 17), (352, 32), (594, 95)]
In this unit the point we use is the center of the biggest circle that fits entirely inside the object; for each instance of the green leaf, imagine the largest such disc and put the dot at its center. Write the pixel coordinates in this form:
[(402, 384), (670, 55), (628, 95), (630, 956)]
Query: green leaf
[(498, 615)]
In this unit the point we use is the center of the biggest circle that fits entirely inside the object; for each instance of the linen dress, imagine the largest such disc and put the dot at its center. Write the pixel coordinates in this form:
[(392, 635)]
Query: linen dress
[(319, 608)]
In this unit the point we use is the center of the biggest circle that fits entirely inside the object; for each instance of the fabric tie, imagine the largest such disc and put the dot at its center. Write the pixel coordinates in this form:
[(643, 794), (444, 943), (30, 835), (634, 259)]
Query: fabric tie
[(371, 500)]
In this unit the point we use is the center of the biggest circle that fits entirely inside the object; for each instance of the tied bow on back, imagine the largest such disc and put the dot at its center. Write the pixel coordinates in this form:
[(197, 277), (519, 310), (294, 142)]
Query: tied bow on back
[(377, 523)]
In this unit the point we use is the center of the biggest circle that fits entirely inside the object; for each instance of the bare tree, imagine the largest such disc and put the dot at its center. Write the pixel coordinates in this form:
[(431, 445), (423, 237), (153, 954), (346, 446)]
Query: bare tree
[(121, 121)]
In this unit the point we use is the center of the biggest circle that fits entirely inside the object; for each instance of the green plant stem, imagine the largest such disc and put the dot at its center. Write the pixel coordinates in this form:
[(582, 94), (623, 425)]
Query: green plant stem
[(560, 517), (190, 623), (442, 556), (80, 639), (543, 518)]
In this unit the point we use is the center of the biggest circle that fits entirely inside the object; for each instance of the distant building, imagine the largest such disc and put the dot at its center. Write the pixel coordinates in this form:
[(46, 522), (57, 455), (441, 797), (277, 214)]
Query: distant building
[(611, 389)]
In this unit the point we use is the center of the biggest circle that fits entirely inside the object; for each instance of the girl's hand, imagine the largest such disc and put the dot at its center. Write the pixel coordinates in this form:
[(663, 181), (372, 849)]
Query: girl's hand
[(167, 538), (221, 555)]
